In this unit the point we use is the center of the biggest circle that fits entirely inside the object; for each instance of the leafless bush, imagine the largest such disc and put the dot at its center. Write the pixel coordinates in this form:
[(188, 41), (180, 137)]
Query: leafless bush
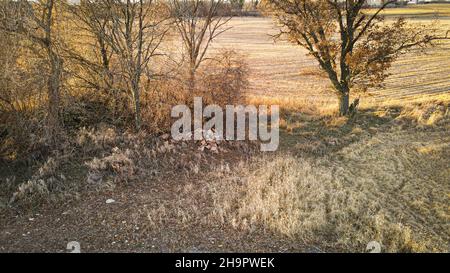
[(160, 96), (221, 80), (224, 78), (21, 101)]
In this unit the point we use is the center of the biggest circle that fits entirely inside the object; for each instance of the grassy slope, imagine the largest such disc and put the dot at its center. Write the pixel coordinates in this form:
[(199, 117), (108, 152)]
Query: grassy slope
[(338, 184)]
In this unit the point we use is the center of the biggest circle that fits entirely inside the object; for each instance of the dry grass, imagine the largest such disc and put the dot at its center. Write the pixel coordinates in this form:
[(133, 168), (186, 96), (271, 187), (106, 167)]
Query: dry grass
[(391, 186)]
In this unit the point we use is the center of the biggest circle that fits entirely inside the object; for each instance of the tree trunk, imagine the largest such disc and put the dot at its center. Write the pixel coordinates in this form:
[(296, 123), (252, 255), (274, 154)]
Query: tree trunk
[(343, 104), (138, 70), (191, 83), (54, 80), (137, 103), (53, 85)]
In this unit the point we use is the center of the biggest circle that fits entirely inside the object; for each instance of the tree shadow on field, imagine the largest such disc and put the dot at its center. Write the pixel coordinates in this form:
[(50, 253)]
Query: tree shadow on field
[(309, 135)]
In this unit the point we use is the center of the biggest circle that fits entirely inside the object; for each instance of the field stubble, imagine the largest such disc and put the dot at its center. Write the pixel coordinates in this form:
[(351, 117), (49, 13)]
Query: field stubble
[(284, 74)]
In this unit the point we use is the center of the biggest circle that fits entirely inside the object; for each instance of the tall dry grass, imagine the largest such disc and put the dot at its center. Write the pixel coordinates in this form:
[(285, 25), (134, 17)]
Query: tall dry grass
[(391, 187), (337, 207)]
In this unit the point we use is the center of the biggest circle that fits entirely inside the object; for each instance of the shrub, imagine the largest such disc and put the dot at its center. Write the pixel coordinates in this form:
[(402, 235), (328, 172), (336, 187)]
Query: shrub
[(44, 184), (224, 79), (119, 164)]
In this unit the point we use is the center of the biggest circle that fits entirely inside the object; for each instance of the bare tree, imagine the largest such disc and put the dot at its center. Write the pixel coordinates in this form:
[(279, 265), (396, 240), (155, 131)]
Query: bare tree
[(136, 32), (129, 32), (89, 18), (35, 21), (91, 53), (198, 22), (353, 47)]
